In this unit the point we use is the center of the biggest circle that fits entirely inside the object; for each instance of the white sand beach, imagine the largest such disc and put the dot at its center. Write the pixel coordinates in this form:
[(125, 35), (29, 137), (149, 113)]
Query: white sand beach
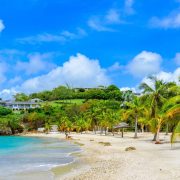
[(98, 162)]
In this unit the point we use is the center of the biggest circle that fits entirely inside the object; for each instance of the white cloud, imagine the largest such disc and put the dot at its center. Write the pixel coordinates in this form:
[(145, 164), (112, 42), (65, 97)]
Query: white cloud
[(165, 76), (2, 26), (145, 63), (177, 59), (3, 69), (171, 21), (96, 24), (15, 80), (129, 6), (105, 22), (78, 71), (169, 76), (63, 37), (113, 17), (128, 89), (69, 35), (42, 38), (115, 67), (7, 93), (37, 63)]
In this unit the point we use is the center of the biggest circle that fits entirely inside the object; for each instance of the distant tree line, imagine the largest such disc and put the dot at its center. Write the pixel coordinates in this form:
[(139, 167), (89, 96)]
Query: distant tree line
[(64, 93)]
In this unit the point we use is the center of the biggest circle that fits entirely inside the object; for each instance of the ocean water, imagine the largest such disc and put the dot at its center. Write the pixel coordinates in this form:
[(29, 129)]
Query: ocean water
[(31, 154)]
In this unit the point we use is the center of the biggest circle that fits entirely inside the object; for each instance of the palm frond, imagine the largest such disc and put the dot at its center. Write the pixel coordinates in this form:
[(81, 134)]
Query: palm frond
[(146, 88), (174, 111), (176, 132), (171, 103)]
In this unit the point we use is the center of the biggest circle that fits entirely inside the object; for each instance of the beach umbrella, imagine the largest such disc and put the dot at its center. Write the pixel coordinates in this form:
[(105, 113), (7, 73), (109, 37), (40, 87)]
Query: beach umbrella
[(121, 125)]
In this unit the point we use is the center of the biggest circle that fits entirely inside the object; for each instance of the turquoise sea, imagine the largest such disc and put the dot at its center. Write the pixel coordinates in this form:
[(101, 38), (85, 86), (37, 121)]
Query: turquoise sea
[(30, 154)]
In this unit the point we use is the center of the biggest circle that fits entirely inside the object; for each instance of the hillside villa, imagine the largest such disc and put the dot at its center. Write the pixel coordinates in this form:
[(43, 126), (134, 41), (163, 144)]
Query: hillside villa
[(18, 105)]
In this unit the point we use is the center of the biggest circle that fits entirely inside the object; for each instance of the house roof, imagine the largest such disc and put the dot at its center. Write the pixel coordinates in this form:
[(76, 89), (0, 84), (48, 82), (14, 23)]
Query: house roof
[(23, 103)]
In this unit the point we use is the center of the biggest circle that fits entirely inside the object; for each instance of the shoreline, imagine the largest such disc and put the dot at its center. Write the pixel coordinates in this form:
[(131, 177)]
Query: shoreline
[(66, 170), (98, 161)]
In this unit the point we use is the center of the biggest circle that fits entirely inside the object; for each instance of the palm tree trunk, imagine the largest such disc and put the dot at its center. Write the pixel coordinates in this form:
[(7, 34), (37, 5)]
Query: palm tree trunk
[(155, 137), (167, 129), (94, 129), (101, 131), (136, 121), (142, 128), (113, 132)]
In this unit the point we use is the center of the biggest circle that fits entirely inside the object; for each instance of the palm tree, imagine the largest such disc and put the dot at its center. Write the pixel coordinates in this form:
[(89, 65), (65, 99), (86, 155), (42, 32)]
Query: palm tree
[(143, 121), (158, 121), (172, 110), (81, 124), (127, 96), (63, 123), (48, 124), (156, 94), (135, 109)]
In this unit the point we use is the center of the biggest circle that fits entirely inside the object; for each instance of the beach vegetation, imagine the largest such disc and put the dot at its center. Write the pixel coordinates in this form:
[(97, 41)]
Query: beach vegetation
[(100, 110)]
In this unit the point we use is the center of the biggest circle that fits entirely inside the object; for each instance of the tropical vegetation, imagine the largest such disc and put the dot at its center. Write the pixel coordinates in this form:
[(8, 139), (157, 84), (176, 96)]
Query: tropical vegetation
[(156, 109)]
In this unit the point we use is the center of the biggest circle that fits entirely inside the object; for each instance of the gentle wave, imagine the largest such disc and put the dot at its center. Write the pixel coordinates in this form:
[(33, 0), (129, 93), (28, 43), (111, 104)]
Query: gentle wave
[(24, 154)]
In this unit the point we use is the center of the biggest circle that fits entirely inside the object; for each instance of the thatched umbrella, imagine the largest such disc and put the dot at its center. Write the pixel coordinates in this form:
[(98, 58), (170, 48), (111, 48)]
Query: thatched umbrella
[(121, 125)]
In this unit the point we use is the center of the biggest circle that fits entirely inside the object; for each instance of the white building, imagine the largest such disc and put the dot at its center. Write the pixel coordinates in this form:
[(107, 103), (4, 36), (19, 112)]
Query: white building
[(14, 105)]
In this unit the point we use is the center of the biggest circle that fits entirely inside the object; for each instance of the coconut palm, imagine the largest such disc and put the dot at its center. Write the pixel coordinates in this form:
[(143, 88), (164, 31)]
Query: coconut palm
[(158, 122), (172, 109), (135, 109), (156, 93), (81, 124), (143, 121), (63, 123), (127, 96)]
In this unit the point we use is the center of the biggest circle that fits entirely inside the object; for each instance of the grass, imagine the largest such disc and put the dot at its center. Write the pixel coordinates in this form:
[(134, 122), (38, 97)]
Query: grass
[(58, 103)]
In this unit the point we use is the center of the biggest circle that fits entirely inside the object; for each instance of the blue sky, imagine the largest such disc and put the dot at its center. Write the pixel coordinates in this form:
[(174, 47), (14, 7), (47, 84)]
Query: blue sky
[(47, 43)]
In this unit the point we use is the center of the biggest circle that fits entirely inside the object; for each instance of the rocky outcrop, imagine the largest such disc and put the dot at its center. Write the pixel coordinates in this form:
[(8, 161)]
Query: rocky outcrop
[(5, 131)]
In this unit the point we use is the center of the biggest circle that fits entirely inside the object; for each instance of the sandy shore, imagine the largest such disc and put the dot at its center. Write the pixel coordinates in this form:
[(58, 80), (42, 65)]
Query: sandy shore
[(99, 162)]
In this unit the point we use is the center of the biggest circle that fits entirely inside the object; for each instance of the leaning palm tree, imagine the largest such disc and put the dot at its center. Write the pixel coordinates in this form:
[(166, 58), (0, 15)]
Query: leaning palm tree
[(156, 94), (157, 122), (172, 109)]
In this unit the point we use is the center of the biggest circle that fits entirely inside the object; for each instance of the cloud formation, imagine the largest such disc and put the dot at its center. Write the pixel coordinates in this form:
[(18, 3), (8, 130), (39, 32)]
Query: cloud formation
[(115, 67), (144, 64), (37, 63), (177, 59), (128, 89), (169, 76), (62, 37), (129, 6), (7, 93), (105, 22), (3, 69), (2, 26), (166, 77), (172, 21), (78, 71)]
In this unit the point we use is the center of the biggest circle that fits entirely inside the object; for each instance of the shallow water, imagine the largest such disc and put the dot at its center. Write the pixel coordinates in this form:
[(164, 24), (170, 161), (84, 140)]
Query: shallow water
[(21, 155)]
